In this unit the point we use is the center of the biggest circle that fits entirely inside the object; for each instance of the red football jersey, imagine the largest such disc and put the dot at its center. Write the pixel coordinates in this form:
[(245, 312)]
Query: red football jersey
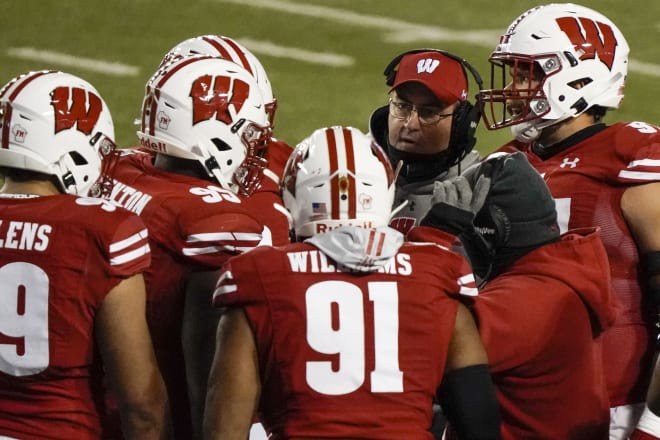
[(60, 256), (587, 181), (194, 225), (344, 354), (537, 321)]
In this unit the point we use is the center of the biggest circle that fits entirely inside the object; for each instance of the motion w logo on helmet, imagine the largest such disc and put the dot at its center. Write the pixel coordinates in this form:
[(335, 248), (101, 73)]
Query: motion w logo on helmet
[(213, 95), (83, 112), (594, 38)]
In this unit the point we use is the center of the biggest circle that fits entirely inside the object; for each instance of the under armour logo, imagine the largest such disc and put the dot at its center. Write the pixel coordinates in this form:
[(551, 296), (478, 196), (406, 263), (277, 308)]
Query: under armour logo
[(566, 162), (427, 65)]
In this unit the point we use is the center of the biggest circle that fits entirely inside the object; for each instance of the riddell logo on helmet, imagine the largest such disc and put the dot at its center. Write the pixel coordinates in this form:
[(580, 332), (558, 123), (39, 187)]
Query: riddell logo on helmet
[(155, 146), (212, 95), (322, 227), (84, 111)]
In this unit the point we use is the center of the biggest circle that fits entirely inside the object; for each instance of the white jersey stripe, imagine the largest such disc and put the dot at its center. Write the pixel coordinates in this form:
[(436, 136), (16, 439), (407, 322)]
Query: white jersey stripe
[(223, 236), (464, 282), (215, 249), (639, 175), (130, 256), (123, 244), (225, 288), (644, 163)]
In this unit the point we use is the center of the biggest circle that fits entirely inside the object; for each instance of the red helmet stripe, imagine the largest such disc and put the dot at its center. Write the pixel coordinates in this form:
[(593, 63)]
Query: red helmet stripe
[(8, 109), (224, 54), (241, 55), (334, 181), (350, 165)]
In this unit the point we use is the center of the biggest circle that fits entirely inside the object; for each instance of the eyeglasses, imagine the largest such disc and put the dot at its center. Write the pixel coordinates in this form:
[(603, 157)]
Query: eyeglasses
[(426, 115)]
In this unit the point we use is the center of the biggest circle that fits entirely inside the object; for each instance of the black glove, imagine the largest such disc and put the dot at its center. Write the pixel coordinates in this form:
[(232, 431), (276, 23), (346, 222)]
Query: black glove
[(455, 204)]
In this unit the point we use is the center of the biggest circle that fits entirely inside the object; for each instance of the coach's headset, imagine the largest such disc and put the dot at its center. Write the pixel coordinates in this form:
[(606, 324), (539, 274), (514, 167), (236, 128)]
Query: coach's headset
[(466, 116)]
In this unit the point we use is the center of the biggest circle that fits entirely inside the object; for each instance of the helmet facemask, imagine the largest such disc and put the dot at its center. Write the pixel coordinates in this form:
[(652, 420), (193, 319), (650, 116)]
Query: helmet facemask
[(109, 153), (250, 173)]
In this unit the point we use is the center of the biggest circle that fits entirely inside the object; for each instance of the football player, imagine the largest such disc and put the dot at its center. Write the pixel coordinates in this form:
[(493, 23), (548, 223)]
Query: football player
[(329, 336), (562, 67), (265, 203), (70, 271), (202, 124)]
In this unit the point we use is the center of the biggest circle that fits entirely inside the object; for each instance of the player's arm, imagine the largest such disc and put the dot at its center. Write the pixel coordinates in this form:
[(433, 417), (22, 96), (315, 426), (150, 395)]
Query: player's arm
[(234, 386), (130, 362), (200, 323), (467, 394), (641, 210)]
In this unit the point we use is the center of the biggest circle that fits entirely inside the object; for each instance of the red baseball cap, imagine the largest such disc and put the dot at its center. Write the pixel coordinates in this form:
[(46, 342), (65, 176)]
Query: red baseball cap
[(443, 75)]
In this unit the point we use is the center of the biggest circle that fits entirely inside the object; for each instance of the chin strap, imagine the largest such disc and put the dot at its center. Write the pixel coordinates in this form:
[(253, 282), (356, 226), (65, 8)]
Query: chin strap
[(525, 133)]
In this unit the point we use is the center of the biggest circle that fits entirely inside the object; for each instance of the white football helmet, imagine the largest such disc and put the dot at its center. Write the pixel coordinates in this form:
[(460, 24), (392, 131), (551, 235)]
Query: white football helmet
[(208, 109), (57, 124), (336, 177), (228, 49), (581, 55)]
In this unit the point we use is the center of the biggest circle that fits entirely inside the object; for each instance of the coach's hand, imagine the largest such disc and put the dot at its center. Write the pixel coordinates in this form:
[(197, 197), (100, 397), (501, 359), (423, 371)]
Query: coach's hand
[(455, 204)]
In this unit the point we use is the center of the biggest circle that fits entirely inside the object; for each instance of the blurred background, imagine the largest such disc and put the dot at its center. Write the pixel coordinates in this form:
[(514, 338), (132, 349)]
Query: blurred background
[(324, 58)]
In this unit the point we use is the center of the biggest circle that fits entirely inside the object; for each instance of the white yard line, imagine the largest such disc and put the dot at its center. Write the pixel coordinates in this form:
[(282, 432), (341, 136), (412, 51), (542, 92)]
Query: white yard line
[(398, 31), (62, 59), (646, 68), (274, 50), (395, 31)]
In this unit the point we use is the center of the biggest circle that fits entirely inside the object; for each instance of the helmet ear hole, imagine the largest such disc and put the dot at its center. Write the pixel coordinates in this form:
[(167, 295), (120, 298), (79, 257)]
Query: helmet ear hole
[(220, 144), (77, 158)]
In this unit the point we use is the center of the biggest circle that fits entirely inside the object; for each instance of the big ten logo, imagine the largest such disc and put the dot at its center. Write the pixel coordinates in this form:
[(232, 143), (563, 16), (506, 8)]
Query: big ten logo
[(215, 194), (212, 95)]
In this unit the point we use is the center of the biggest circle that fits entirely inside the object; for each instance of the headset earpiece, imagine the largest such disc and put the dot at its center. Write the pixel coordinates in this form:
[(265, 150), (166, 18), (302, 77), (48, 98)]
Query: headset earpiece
[(466, 116)]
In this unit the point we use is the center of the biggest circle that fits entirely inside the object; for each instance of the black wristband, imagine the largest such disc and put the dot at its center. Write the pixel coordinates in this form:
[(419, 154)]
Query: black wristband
[(651, 263), (448, 218), (468, 398)]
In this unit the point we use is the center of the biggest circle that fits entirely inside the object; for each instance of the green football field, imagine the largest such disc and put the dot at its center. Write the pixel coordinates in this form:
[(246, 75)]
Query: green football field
[(324, 58)]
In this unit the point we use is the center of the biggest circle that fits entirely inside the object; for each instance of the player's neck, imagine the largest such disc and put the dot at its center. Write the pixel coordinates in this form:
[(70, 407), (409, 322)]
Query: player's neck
[(33, 187), (558, 132), (176, 165)]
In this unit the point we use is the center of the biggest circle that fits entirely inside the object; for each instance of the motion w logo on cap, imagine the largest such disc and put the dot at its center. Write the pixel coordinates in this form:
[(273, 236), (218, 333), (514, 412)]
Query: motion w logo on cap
[(427, 65)]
